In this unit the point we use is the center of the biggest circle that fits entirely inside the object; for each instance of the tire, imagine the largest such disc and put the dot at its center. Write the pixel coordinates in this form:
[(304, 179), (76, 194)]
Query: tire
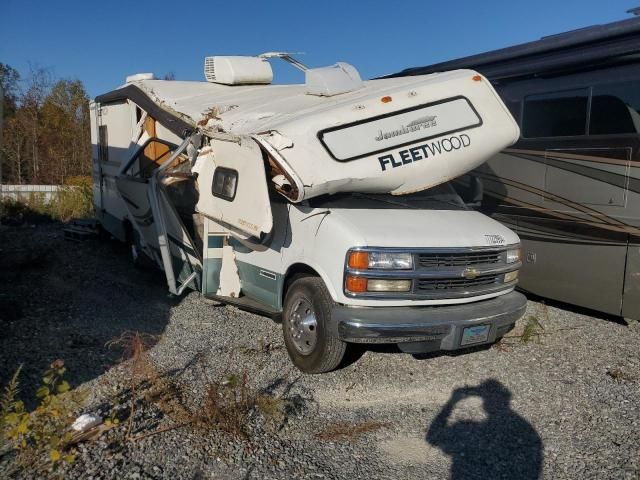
[(313, 348)]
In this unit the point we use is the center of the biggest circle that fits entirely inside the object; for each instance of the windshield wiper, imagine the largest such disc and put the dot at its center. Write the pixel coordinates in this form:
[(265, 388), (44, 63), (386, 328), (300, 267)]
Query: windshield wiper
[(448, 202), (461, 206), (384, 200)]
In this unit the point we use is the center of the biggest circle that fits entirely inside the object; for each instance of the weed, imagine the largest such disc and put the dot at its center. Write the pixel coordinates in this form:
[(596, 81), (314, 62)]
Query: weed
[(73, 200), (142, 373), (532, 330), (9, 403), (228, 405), (617, 373), (41, 438), (347, 431)]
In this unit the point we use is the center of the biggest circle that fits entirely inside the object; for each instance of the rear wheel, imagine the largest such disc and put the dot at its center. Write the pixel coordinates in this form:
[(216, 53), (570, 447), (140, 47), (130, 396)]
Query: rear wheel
[(311, 340)]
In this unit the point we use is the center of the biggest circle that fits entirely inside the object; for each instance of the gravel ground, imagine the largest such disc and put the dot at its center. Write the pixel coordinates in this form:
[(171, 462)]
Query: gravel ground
[(562, 405)]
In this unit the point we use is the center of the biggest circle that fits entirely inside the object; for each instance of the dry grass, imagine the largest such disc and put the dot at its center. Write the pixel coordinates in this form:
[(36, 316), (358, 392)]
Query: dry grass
[(75, 200), (228, 406), (347, 431), (618, 373), (532, 330)]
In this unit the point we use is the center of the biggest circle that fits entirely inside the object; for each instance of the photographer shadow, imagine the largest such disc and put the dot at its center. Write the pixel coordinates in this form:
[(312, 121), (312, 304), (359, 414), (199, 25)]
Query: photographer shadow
[(504, 445)]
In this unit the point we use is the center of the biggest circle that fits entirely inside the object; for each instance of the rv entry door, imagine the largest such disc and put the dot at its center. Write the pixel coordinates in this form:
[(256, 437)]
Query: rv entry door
[(159, 194), (233, 187)]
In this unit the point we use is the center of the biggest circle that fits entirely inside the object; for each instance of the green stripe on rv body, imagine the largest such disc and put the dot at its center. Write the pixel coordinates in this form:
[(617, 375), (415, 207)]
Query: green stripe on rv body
[(212, 267), (215, 241), (258, 283), (261, 284)]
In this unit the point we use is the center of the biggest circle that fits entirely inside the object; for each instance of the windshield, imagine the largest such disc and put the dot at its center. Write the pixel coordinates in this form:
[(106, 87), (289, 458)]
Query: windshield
[(440, 197)]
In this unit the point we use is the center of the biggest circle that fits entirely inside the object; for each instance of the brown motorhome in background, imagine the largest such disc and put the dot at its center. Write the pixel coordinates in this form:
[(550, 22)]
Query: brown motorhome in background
[(570, 187)]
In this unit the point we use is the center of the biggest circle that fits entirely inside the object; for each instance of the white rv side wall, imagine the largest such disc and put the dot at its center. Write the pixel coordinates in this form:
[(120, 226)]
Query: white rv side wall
[(96, 175), (119, 120)]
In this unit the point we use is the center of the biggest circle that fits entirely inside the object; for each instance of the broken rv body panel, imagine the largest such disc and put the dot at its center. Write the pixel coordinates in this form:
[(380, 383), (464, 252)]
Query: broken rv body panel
[(233, 186), (392, 136)]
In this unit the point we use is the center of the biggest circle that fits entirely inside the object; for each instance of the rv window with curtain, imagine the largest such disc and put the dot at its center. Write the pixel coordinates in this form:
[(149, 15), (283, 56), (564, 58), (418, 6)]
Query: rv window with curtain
[(559, 114), (614, 109)]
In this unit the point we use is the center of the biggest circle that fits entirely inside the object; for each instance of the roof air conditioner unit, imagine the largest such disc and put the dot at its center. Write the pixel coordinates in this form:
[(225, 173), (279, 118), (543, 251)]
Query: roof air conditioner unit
[(140, 76), (333, 80), (237, 70)]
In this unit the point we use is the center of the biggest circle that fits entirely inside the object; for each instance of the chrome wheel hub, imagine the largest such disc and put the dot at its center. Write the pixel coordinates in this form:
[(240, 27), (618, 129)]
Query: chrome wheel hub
[(303, 326)]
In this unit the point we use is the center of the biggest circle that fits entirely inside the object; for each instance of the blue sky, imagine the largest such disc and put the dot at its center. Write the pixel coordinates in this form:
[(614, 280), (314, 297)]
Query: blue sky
[(102, 42)]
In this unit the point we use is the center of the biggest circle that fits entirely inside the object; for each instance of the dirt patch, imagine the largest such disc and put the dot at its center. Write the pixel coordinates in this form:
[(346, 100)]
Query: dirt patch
[(406, 450)]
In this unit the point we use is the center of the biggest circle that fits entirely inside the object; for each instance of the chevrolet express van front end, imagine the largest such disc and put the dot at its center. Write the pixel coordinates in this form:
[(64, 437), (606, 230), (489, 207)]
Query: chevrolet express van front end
[(421, 271)]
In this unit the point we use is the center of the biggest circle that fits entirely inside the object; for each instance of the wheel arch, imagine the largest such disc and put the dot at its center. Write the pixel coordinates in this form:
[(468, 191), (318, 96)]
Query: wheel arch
[(300, 268)]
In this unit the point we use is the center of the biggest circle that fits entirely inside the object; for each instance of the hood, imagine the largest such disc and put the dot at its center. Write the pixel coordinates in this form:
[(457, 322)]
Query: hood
[(425, 228)]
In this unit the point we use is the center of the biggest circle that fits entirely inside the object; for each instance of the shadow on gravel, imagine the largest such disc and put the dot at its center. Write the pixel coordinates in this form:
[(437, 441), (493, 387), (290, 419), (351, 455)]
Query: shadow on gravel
[(504, 445), (65, 299), (355, 351)]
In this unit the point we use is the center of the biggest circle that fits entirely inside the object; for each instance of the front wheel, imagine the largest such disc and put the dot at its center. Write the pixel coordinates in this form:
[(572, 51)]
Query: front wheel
[(312, 343)]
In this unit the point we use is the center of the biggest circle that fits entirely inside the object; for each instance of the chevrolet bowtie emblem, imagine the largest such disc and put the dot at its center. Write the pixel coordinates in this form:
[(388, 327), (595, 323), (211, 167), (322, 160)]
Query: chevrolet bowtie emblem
[(470, 273)]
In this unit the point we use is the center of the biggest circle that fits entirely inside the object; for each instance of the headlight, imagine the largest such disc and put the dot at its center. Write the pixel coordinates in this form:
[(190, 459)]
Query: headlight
[(380, 261), (513, 255)]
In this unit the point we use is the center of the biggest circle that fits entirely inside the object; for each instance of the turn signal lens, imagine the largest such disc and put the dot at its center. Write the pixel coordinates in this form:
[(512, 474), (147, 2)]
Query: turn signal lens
[(386, 99), (476, 78), (359, 260), (510, 276), (383, 285), (356, 284)]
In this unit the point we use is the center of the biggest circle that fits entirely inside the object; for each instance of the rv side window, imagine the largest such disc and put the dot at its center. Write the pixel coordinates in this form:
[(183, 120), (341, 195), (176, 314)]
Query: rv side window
[(559, 114), (614, 109), (103, 144), (225, 183)]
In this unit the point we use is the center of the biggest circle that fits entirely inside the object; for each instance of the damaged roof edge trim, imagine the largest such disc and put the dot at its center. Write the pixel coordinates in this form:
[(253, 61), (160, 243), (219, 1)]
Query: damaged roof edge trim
[(283, 164), (174, 124)]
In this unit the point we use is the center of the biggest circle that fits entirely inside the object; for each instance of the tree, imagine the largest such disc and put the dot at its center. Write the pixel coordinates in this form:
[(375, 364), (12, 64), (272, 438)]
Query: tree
[(9, 79), (35, 93), (46, 136), (65, 132)]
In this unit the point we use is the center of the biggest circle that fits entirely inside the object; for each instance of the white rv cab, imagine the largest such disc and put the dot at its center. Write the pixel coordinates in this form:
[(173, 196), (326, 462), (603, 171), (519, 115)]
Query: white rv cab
[(326, 205)]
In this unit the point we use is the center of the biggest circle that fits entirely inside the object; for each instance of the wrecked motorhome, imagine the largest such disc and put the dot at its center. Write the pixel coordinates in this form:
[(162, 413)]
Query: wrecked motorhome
[(325, 204)]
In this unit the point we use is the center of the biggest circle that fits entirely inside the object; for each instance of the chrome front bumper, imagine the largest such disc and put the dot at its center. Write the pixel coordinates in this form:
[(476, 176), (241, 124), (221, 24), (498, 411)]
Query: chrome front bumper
[(438, 327)]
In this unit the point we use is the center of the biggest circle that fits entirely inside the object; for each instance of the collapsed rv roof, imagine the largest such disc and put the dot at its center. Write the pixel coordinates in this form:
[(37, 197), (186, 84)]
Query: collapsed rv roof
[(240, 109), (599, 44), (347, 142)]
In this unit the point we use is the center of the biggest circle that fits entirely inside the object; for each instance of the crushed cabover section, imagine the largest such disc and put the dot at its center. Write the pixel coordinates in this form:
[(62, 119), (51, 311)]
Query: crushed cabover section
[(392, 136)]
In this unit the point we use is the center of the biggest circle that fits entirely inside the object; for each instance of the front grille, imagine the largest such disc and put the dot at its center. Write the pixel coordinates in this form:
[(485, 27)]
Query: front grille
[(439, 273), (465, 259), (454, 285)]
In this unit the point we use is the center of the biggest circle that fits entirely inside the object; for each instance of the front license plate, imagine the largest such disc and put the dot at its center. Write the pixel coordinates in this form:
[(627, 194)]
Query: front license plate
[(475, 334)]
